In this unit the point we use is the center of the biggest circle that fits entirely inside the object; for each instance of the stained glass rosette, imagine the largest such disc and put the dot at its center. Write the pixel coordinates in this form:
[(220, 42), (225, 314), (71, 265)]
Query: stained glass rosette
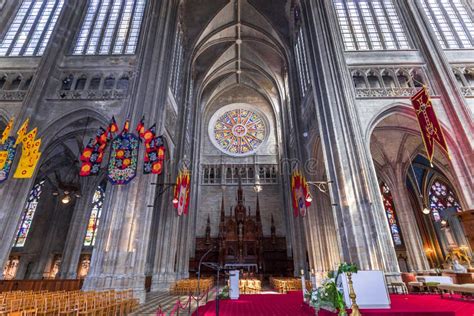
[(442, 197), (239, 132)]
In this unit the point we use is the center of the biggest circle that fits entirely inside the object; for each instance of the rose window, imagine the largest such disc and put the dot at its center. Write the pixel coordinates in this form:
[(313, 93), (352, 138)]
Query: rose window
[(239, 131)]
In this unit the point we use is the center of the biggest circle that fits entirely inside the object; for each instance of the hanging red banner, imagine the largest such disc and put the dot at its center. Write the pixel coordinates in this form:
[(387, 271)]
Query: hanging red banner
[(430, 128), (299, 192), (181, 192)]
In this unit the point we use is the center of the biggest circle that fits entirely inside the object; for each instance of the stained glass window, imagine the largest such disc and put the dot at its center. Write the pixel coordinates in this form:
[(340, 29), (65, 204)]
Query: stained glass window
[(97, 203), (451, 22), (391, 215), (239, 132), (370, 25), (30, 31), (28, 214), (110, 27), (302, 63), (441, 197)]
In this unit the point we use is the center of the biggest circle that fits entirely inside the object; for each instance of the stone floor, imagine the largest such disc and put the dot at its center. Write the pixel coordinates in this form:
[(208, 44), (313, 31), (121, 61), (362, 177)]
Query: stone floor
[(167, 302)]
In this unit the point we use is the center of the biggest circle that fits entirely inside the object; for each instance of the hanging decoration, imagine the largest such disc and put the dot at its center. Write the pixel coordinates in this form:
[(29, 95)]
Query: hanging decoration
[(123, 157), (7, 152), (299, 193), (30, 153), (430, 128), (181, 192), (154, 151), (7, 131), (93, 154), (124, 154)]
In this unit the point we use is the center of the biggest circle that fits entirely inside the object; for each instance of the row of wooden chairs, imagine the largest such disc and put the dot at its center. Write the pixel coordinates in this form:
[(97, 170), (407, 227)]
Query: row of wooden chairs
[(249, 286), (190, 286), (91, 303), (283, 285)]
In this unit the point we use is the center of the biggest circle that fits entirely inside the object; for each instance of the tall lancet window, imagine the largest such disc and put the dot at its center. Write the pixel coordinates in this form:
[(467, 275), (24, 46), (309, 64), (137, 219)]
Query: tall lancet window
[(302, 62), (28, 214), (370, 25), (30, 30), (93, 224), (391, 215), (110, 27), (451, 21)]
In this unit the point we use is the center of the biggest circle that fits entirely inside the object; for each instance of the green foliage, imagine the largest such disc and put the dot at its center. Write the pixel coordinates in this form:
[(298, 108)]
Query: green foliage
[(224, 294), (328, 296)]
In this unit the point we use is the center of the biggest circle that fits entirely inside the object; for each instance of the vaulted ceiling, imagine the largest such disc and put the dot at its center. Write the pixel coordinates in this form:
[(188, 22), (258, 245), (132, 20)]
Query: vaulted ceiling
[(238, 43)]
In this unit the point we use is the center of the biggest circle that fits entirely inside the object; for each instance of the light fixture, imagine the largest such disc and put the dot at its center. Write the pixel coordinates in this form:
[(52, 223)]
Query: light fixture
[(55, 193), (426, 210), (443, 222), (66, 199), (175, 201), (257, 188), (309, 198)]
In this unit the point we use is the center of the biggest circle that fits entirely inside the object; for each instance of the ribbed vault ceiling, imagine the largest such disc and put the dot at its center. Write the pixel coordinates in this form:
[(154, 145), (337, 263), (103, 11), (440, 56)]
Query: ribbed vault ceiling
[(238, 42)]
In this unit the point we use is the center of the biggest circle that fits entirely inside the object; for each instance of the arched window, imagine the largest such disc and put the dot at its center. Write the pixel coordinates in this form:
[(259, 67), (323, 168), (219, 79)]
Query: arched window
[(391, 215), (31, 29), (451, 23), (28, 214), (110, 27), (442, 197), (370, 25), (97, 203)]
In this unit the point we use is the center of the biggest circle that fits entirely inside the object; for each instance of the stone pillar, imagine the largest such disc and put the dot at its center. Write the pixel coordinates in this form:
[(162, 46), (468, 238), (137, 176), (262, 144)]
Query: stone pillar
[(457, 110), (50, 234), (407, 221), (77, 229), (120, 253), (359, 215), (13, 192)]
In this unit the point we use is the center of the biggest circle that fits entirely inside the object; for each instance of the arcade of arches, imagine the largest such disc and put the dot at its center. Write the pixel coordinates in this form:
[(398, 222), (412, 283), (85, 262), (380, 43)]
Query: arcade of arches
[(243, 92)]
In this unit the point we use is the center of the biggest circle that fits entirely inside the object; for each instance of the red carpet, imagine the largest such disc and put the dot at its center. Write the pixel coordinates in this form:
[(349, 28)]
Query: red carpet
[(292, 304)]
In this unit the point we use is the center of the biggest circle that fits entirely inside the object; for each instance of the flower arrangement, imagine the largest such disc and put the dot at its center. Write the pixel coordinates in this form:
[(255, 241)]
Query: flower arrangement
[(328, 296)]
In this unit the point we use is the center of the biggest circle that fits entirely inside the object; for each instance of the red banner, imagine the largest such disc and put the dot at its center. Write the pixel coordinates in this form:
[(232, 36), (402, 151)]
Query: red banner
[(181, 192), (299, 194), (430, 128)]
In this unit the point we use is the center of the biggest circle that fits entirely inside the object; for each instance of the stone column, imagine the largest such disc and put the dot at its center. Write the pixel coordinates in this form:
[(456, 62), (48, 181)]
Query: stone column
[(14, 191), (77, 229), (446, 86), (50, 234), (407, 221), (359, 215), (120, 253)]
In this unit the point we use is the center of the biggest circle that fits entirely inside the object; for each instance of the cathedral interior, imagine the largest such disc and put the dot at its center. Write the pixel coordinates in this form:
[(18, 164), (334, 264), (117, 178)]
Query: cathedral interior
[(242, 93)]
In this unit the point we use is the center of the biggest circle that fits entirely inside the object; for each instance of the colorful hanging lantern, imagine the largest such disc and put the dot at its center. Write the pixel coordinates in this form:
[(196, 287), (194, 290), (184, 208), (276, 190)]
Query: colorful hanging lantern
[(123, 157)]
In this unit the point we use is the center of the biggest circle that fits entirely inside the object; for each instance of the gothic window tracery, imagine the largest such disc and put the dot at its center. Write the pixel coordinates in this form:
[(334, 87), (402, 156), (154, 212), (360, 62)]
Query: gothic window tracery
[(370, 25), (239, 132), (28, 214), (97, 204), (110, 27), (391, 215), (442, 197), (302, 63), (451, 23), (30, 31)]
